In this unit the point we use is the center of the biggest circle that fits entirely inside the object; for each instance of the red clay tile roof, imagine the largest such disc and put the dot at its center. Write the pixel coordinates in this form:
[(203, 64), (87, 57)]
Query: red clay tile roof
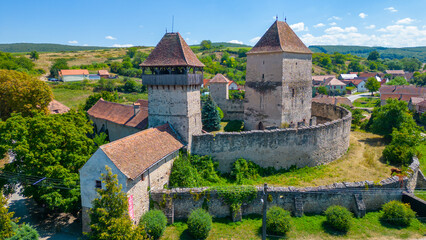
[(280, 38), (334, 82), (103, 72), (57, 107), (219, 78), (172, 51), (120, 113), (332, 100), (367, 74), (64, 72), (355, 82), (404, 93), (206, 82), (395, 71), (417, 100), (134, 154)]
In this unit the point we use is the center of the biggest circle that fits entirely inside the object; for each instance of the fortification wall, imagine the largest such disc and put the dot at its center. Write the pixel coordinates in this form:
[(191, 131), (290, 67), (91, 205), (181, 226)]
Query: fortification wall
[(281, 148), (233, 109), (179, 202)]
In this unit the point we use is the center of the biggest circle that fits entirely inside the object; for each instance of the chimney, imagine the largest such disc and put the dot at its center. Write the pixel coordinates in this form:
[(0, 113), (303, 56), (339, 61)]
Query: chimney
[(136, 108)]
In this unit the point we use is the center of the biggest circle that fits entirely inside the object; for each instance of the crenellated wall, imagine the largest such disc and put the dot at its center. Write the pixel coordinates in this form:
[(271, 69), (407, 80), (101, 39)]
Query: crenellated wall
[(179, 202), (282, 148)]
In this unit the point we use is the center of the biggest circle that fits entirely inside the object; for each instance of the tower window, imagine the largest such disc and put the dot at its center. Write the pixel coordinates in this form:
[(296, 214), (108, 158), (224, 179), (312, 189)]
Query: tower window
[(263, 77), (263, 62), (292, 94), (98, 184)]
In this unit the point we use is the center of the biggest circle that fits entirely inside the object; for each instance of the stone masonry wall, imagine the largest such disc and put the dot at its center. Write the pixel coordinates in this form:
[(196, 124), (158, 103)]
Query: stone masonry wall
[(282, 148), (233, 109), (314, 200)]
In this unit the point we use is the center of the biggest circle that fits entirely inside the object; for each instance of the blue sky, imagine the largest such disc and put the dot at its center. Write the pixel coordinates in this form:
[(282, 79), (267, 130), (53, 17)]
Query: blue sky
[(391, 23)]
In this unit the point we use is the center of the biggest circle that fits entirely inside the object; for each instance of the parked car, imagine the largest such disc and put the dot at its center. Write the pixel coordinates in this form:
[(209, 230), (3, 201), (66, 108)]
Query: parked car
[(53, 79)]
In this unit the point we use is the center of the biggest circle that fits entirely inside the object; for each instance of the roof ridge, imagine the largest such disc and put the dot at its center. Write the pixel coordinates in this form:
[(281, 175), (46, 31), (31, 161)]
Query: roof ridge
[(279, 35), (181, 48)]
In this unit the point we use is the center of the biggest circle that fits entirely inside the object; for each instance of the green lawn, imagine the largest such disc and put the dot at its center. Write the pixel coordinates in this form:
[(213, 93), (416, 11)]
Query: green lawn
[(306, 227), (367, 102), (420, 194), (71, 98)]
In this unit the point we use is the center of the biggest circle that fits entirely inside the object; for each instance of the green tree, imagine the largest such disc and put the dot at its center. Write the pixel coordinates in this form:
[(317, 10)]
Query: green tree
[(34, 55), (322, 90), (210, 115), (109, 219), (24, 231), (131, 86), (57, 65), (131, 52), (54, 147), (93, 99), (372, 85), (22, 93), (373, 66), (242, 52), (355, 66), (373, 56), (419, 79), (6, 221), (397, 81), (206, 44), (403, 145)]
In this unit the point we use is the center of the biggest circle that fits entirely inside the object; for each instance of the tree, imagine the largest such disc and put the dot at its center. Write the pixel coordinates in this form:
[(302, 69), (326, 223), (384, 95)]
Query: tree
[(34, 55), (355, 66), (6, 221), (322, 90), (373, 56), (131, 52), (53, 147), (242, 52), (206, 44), (24, 231), (93, 99), (387, 117), (397, 81), (57, 65), (404, 142), (22, 93), (210, 115), (372, 85), (131, 86), (109, 217), (373, 66), (419, 79)]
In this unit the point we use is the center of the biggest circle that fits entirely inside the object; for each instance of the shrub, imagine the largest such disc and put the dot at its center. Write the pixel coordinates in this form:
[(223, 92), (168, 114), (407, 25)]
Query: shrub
[(154, 222), (206, 168), (399, 155), (184, 174), (397, 213), (243, 170), (220, 112), (278, 221), (24, 231), (339, 218), (199, 223), (234, 126)]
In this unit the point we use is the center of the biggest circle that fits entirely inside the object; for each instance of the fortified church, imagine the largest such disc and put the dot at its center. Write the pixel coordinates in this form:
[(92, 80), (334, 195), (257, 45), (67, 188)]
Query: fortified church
[(280, 119)]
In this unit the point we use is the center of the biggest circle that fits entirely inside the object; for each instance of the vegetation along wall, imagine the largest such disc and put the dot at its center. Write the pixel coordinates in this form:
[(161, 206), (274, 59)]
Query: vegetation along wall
[(282, 148)]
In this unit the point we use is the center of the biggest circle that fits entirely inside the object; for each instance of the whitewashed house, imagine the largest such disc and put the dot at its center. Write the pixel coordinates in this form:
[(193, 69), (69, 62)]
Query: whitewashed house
[(73, 75)]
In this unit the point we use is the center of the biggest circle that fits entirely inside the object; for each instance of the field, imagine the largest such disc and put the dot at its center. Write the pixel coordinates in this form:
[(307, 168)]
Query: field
[(306, 227), (367, 102)]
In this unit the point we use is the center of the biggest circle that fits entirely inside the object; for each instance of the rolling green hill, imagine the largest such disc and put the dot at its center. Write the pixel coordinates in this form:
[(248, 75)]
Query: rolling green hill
[(226, 44), (361, 51), (44, 47)]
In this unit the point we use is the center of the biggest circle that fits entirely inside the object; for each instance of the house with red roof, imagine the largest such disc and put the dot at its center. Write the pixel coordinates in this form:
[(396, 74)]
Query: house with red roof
[(70, 75), (402, 93)]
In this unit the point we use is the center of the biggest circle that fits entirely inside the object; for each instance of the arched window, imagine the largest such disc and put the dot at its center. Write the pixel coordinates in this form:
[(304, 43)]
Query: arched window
[(260, 126)]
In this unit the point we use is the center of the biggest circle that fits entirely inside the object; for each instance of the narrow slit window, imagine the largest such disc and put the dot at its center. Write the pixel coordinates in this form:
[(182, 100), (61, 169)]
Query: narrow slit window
[(98, 184), (292, 94)]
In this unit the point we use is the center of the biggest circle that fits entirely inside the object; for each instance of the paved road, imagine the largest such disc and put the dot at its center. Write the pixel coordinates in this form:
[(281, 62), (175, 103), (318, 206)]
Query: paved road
[(49, 226), (355, 97)]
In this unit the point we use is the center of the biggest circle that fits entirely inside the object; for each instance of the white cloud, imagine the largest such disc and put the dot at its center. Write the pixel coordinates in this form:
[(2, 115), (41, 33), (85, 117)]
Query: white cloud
[(299, 27), (235, 41), (254, 40), (73, 42), (391, 9), (334, 18), (85, 44), (110, 38), (333, 24), (372, 26), (390, 36), (122, 45), (362, 15), (405, 21), (319, 25)]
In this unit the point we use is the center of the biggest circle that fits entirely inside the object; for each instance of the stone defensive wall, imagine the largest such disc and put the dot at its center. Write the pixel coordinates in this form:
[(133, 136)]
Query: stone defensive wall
[(358, 197), (233, 109), (282, 148)]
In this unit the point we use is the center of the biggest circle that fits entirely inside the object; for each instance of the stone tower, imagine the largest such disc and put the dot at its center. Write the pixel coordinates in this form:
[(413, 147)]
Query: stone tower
[(173, 76), (219, 88), (278, 80)]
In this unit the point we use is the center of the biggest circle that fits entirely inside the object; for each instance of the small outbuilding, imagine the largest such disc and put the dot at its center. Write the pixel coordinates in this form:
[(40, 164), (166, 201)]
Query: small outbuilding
[(103, 73), (70, 75)]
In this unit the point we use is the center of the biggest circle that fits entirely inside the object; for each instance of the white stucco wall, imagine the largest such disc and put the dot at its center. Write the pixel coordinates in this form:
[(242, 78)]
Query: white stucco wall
[(71, 78)]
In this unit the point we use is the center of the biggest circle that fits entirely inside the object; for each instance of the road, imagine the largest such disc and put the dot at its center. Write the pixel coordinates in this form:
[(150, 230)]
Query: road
[(355, 97)]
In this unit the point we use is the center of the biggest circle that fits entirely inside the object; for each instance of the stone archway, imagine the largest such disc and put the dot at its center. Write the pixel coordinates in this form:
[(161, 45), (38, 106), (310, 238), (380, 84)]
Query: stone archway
[(260, 126)]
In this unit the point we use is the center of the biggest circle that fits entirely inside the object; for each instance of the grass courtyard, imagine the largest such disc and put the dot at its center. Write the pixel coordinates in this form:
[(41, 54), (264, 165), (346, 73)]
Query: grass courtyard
[(367, 102)]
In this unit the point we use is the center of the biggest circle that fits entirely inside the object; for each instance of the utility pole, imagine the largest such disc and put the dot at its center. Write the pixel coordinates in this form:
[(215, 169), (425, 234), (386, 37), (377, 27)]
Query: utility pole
[(264, 201)]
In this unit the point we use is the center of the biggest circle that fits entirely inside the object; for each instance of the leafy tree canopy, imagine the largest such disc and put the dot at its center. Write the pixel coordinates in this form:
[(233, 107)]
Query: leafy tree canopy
[(397, 81), (373, 56), (21, 64), (51, 146), (131, 52), (6, 221), (206, 44), (22, 93), (210, 115), (34, 55), (419, 79), (109, 219), (372, 84), (94, 98), (57, 65)]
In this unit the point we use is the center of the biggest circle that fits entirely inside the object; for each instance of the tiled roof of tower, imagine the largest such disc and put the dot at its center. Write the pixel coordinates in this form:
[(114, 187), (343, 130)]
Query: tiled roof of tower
[(136, 153), (219, 78), (280, 38), (120, 113), (172, 51)]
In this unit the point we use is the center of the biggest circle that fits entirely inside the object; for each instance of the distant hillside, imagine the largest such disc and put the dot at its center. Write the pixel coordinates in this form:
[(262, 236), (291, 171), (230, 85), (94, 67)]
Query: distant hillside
[(44, 47), (361, 51), (226, 44)]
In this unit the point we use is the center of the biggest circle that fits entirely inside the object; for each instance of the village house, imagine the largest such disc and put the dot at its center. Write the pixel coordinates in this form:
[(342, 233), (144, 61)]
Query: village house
[(320, 79), (73, 75), (402, 93), (103, 73), (359, 84), (347, 76), (417, 104), (56, 107), (332, 100), (119, 120)]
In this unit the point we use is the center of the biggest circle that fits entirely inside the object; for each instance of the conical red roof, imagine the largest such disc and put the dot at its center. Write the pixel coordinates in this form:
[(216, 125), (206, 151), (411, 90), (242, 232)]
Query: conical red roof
[(172, 51), (280, 38)]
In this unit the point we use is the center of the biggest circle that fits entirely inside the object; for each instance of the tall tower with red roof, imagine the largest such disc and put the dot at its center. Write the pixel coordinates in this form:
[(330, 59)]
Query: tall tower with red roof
[(173, 76), (278, 80)]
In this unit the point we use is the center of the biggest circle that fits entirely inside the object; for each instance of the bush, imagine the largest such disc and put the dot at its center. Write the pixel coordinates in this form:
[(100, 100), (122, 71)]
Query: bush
[(183, 173), (278, 221), (199, 223), (234, 126), (397, 213), (398, 155), (24, 231), (339, 218), (154, 222), (220, 112), (243, 170)]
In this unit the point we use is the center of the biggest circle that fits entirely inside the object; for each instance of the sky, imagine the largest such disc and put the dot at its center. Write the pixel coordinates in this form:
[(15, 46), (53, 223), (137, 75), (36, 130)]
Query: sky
[(123, 23)]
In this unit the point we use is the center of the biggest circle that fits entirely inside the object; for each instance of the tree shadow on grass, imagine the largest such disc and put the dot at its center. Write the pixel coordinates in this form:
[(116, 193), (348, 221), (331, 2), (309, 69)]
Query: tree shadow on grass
[(330, 230), (374, 141), (186, 235), (389, 225)]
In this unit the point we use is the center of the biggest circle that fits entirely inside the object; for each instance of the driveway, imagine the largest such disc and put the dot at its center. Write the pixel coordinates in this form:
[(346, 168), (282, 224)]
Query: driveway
[(355, 97)]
